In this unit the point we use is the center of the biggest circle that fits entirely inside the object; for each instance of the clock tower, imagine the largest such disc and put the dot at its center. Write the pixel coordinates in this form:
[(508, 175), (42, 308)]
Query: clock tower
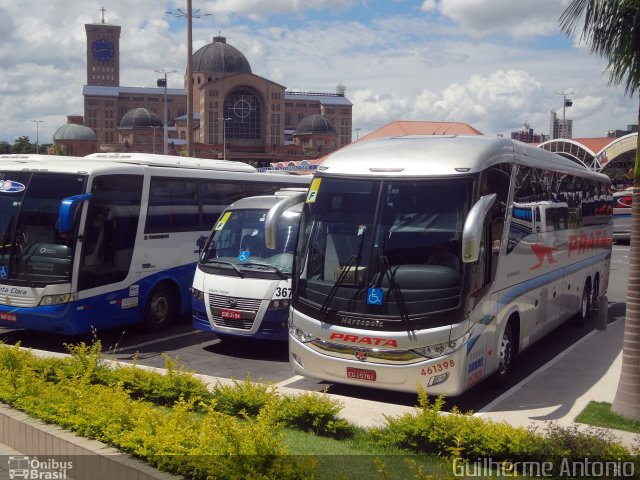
[(103, 53)]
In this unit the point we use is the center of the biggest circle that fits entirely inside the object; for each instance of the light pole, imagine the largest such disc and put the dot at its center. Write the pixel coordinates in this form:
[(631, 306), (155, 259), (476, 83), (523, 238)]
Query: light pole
[(565, 103), (189, 15), (224, 136), (37, 122), (155, 127), (162, 82), (357, 133)]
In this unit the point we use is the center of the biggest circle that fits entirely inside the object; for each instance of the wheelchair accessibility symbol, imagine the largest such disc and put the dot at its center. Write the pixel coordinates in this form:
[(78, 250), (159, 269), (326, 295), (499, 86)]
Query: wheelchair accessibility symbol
[(244, 256), (4, 272), (374, 296)]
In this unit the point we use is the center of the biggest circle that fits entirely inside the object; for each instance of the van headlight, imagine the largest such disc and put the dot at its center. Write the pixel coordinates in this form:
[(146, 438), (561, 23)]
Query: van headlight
[(279, 303), (60, 299), (441, 349), (197, 294)]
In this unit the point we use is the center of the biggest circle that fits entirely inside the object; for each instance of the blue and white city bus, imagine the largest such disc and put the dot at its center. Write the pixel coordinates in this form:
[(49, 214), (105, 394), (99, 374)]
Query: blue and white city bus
[(432, 261), (109, 239)]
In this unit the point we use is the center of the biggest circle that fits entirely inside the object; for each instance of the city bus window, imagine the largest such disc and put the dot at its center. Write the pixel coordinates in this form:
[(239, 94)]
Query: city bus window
[(110, 230)]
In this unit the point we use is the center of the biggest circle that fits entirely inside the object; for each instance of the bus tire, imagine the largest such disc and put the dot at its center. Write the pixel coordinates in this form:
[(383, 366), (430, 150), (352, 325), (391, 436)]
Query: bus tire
[(585, 305), (160, 310), (507, 355), (595, 292)]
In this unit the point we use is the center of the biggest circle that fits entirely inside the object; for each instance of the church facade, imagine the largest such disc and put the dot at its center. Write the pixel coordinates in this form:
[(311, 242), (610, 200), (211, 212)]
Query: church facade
[(237, 114)]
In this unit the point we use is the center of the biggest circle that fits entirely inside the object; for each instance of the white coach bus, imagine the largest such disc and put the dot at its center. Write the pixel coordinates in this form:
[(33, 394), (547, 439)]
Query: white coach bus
[(109, 239), (417, 264), (242, 284)]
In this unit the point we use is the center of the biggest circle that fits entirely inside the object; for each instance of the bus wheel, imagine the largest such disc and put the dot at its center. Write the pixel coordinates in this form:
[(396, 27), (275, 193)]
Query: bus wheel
[(595, 292), (507, 355), (585, 305), (160, 309)]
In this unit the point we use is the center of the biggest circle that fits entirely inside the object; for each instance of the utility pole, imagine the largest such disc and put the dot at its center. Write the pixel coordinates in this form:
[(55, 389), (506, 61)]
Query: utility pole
[(37, 122), (189, 15), (162, 82)]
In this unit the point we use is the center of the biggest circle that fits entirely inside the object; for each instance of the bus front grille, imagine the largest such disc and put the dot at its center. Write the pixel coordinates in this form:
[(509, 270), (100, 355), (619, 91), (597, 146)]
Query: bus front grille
[(247, 308)]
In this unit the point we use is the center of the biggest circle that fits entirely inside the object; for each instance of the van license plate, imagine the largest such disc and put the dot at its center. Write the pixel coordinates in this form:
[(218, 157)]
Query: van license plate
[(361, 374), (231, 314), (8, 317)]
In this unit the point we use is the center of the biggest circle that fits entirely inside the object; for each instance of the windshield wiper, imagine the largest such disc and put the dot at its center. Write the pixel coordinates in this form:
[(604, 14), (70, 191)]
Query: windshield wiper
[(354, 261), (338, 283), (278, 270), (395, 290), (222, 262)]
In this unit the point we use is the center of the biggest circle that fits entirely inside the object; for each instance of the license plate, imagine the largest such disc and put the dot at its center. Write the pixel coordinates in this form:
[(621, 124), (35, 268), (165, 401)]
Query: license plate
[(231, 314), (361, 374), (9, 317)]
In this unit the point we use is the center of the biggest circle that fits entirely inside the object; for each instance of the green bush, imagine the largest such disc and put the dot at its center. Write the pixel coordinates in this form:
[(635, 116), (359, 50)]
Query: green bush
[(243, 398), (311, 412)]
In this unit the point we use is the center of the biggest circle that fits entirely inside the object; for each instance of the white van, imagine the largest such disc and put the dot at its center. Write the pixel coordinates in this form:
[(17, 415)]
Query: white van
[(242, 283)]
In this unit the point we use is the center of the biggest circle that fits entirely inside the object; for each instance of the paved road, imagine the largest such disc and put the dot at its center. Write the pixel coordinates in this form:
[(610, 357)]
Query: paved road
[(204, 353)]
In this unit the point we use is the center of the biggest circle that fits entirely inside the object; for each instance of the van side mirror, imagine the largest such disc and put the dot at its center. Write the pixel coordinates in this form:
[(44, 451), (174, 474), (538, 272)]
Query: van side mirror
[(472, 230), (200, 243)]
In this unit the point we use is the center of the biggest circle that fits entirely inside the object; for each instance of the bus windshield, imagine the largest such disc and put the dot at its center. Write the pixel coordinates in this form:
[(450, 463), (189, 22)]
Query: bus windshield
[(32, 251), (237, 245), (383, 247)]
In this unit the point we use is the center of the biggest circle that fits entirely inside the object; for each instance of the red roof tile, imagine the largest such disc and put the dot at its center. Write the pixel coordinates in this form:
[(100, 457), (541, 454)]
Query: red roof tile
[(401, 128)]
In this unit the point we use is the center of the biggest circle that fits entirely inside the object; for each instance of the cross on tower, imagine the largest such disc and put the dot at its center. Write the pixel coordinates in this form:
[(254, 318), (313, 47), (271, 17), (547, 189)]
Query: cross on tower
[(103, 10)]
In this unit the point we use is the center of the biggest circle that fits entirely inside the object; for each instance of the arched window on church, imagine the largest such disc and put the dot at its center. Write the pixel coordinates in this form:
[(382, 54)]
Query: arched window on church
[(243, 108)]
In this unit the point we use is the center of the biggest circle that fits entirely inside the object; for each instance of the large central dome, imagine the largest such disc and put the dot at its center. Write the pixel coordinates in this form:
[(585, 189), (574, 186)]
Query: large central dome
[(220, 57)]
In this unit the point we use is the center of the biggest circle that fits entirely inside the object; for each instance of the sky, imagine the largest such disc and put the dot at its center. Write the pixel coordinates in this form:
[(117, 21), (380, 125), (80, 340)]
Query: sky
[(494, 64)]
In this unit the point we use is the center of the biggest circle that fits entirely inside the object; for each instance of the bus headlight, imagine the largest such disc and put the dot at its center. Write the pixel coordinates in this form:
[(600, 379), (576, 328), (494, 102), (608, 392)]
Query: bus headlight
[(60, 299), (441, 349), (198, 294), (300, 334), (280, 303)]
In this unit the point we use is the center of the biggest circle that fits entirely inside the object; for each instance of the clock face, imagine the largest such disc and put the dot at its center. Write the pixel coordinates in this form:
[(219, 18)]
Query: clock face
[(102, 49)]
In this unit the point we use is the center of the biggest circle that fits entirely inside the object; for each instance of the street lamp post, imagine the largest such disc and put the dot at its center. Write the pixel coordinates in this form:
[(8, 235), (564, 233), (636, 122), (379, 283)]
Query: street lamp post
[(163, 82), (37, 122), (189, 16), (224, 136), (565, 103)]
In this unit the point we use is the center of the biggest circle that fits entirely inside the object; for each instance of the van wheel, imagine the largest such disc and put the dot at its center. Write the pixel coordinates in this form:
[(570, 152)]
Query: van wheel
[(585, 305), (507, 355), (160, 310)]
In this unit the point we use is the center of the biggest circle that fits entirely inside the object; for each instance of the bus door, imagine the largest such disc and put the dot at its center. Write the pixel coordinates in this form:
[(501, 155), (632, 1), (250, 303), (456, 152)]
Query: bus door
[(108, 241)]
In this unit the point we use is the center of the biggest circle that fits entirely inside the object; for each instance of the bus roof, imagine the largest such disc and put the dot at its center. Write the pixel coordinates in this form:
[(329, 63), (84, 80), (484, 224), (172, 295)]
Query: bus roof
[(442, 155), (156, 160)]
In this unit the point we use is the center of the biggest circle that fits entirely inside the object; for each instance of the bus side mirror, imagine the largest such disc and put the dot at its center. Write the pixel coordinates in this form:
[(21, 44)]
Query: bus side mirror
[(67, 210), (472, 230), (275, 212)]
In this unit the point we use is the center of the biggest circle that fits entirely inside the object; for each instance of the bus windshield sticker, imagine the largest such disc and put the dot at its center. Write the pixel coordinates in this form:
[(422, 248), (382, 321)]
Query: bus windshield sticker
[(4, 271), (243, 256), (9, 186), (361, 229), (374, 296), (313, 190), (222, 221)]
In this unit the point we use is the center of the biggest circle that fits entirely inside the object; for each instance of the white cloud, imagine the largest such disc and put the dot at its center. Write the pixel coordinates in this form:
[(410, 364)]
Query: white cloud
[(400, 63)]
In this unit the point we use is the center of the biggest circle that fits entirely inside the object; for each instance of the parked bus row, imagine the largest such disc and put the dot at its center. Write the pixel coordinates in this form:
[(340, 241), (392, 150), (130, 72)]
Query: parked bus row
[(109, 239), (411, 261)]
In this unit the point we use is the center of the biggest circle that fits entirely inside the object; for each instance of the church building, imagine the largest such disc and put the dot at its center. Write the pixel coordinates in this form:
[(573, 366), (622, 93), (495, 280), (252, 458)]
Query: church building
[(237, 114)]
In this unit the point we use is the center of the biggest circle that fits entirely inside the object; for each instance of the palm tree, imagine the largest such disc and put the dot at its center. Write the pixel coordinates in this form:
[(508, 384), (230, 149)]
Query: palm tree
[(612, 30)]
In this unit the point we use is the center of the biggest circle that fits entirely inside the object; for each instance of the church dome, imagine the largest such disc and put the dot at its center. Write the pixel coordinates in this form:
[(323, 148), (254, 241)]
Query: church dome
[(219, 56), (314, 124), (140, 118), (74, 131)]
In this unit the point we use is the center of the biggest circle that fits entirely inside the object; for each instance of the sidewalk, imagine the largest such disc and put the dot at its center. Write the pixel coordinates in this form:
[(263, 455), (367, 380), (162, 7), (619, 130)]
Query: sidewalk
[(561, 389), (558, 391)]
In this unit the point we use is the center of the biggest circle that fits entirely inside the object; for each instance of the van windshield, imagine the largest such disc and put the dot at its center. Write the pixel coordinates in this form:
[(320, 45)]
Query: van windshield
[(238, 244)]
